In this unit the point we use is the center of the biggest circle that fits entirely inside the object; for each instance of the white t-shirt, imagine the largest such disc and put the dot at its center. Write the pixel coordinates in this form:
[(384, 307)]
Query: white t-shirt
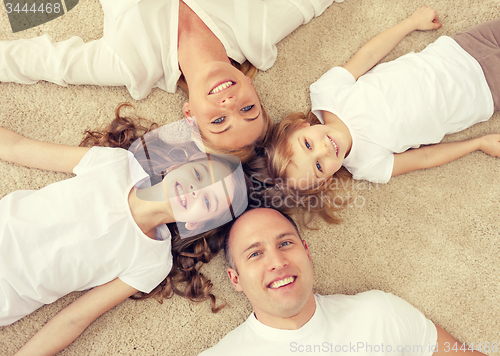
[(77, 234), (413, 100), (369, 323), (139, 46)]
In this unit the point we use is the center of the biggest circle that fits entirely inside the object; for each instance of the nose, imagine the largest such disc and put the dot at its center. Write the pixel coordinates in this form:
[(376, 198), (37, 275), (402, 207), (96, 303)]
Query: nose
[(325, 149), (228, 102), (193, 190), (276, 260)]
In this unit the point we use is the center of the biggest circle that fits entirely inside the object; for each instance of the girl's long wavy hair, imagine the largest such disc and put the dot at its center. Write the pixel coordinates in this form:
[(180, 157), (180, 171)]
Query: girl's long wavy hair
[(246, 153), (184, 278), (270, 188)]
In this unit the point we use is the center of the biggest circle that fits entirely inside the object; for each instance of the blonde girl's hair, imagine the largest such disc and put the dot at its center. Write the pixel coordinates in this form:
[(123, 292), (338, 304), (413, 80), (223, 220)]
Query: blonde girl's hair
[(245, 153), (184, 279), (268, 175)]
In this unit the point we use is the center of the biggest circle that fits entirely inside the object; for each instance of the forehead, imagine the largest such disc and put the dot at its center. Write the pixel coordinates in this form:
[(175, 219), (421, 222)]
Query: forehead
[(259, 225)]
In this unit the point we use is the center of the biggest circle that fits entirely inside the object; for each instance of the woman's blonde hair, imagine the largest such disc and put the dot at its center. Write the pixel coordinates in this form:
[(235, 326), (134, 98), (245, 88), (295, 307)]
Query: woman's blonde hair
[(245, 153), (268, 175)]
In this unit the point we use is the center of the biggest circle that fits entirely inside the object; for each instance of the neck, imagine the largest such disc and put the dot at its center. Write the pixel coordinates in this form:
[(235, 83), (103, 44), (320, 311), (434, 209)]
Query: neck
[(149, 214), (293, 322), (197, 45)]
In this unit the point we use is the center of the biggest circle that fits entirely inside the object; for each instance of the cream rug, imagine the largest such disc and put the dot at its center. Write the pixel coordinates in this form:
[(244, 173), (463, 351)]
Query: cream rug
[(430, 237)]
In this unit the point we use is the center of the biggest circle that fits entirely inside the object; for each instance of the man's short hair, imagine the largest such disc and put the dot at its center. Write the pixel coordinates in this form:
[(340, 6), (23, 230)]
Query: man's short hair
[(229, 227)]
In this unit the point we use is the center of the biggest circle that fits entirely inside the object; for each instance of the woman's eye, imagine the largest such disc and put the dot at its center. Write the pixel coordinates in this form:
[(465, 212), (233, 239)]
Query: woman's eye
[(219, 120), (247, 108), (255, 254), (319, 167), (307, 145), (207, 203), (198, 176)]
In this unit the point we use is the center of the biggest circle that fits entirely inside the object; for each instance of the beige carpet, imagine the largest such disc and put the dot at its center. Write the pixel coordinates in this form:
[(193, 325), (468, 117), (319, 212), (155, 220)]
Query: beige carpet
[(430, 237)]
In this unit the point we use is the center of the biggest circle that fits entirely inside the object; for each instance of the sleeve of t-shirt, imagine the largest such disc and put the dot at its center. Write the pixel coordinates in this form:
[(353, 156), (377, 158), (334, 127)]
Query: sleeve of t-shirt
[(328, 91), (98, 157), (417, 334)]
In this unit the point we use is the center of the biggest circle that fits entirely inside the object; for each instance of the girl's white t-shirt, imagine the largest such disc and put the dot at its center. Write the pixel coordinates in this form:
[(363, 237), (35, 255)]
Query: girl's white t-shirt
[(411, 101), (77, 234)]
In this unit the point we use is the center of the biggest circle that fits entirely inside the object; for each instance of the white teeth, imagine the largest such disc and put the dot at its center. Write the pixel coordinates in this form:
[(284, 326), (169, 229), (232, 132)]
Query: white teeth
[(282, 282), (181, 195), (334, 145), (221, 87)]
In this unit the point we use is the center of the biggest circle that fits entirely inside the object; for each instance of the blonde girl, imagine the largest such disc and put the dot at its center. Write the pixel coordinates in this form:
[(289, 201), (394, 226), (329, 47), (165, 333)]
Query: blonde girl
[(373, 121)]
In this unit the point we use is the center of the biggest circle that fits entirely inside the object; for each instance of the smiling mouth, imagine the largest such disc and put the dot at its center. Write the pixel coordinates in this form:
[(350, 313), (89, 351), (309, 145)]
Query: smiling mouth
[(334, 144), (222, 86), (180, 195), (282, 282)]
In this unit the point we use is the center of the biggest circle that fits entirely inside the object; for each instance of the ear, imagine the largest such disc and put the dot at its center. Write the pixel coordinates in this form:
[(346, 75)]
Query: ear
[(307, 249), (186, 109), (193, 226), (304, 125), (234, 278), (249, 79)]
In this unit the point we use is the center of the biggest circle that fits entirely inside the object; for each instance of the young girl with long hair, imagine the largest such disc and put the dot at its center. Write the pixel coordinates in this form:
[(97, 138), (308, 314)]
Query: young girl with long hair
[(374, 120), (98, 230)]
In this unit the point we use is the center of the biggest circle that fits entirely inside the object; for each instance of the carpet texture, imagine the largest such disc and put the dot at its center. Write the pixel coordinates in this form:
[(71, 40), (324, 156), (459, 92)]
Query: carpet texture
[(431, 237)]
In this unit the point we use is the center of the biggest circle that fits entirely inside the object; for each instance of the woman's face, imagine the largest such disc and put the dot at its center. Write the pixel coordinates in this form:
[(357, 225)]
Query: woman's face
[(225, 105), (193, 195)]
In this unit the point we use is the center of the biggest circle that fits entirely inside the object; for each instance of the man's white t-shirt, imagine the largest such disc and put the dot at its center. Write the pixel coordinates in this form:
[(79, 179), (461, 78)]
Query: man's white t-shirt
[(77, 234), (139, 46), (369, 323), (411, 101)]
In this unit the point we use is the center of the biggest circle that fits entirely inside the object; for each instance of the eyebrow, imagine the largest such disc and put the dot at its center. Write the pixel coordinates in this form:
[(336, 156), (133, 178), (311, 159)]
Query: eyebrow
[(278, 237), (304, 148), (230, 126)]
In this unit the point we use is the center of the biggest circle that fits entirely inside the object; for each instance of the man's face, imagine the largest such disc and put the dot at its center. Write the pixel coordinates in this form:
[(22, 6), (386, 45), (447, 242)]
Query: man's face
[(272, 267)]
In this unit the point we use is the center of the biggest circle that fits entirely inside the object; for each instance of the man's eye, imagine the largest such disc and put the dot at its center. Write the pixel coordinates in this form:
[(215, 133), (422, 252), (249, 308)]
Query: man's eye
[(219, 120), (198, 176), (319, 167), (247, 108), (285, 243), (207, 203), (307, 145)]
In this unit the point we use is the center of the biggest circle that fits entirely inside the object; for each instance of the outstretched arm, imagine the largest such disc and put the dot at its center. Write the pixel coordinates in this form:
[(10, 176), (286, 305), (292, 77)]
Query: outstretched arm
[(36, 154), (439, 154), (447, 344), (378, 47), (70, 322)]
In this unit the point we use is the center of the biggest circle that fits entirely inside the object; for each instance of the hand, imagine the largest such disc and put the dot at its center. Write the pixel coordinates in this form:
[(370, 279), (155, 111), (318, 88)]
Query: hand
[(425, 18), (490, 144)]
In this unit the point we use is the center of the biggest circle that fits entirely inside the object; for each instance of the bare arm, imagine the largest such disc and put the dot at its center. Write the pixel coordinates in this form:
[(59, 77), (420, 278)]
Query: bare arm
[(378, 47), (70, 322), (439, 154), (447, 344), (36, 154)]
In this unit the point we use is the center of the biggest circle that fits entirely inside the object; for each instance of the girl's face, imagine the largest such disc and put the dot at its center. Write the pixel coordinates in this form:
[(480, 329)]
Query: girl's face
[(225, 105), (318, 152), (193, 195)]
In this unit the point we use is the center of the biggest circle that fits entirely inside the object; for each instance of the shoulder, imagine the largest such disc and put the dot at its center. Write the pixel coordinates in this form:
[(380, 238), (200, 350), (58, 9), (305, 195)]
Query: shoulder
[(371, 303), (240, 337)]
